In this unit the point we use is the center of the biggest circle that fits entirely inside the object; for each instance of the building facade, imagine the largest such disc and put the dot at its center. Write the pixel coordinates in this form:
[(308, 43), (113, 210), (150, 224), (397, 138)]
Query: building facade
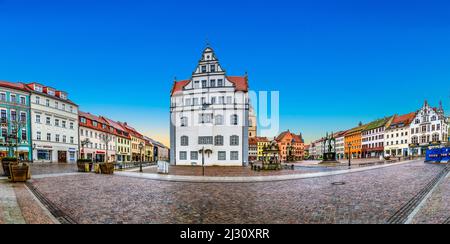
[(54, 125), (353, 142), (262, 142), (97, 138), (292, 146), (429, 129), (122, 141), (373, 138), (15, 124), (210, 117), (252, 149), (340, 145), (397, 136), (137, 143)]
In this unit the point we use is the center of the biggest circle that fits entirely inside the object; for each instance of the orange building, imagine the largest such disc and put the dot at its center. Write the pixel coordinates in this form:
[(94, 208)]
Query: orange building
[(353, 142), (292, 145)]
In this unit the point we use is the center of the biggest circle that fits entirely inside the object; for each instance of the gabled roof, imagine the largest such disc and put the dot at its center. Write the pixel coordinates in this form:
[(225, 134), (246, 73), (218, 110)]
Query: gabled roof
[(355, 130), (240, 83), (29, 87), (377, 123), (131, 130), (403, 120), (296, 138)]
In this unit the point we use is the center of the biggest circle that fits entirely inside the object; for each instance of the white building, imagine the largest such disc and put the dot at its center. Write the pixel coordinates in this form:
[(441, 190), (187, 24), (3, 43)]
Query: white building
[(397, 136), (210, 113), (54, 125), (316, 149), (97, 138), (340, 145), (373, 138), (428, 130)]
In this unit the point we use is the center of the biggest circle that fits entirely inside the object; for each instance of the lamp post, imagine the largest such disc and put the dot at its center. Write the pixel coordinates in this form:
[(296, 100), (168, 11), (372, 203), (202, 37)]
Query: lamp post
[(141, 146), (32, 152), (203, 161), (349, 155)]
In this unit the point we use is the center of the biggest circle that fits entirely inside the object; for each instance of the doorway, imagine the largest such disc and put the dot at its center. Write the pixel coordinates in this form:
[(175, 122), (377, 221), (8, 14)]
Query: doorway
[(62, 157)]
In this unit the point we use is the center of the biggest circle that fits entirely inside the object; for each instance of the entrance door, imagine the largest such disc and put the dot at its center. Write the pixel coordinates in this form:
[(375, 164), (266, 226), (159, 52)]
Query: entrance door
[(62, 157)]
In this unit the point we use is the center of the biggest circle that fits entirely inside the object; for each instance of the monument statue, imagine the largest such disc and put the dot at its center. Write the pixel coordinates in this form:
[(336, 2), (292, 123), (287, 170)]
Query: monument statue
[(329, 149)]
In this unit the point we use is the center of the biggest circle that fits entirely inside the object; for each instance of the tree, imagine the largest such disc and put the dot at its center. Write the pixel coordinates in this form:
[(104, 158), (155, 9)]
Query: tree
[(106, 139)]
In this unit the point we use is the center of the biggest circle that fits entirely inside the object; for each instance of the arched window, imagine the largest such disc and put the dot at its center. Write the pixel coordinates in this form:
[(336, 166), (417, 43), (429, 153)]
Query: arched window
[(219, 120), (218, 140), (433, 118), (184, 141), (234, 119), (184, 122), (435, 137), (234, 140), (415, 140)]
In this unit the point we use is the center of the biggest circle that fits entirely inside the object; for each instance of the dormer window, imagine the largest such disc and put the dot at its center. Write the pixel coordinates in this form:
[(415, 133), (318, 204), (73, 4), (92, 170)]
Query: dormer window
[(50, 92), (94, 123), (38, 88), (83, 120)]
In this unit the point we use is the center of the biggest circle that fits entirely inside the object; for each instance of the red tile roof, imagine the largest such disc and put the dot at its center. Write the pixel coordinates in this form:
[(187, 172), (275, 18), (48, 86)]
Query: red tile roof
[(12, 85), (240, 83), (406, 119), (131, 130)]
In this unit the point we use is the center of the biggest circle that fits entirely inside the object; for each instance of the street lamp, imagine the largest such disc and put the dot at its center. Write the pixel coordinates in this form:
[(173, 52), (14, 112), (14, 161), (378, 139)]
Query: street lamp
[(349, 156), (32, 152), (141, 146)]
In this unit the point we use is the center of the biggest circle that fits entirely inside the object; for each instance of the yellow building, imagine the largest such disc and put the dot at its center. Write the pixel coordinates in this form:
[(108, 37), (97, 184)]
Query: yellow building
[(149, 152), (262, 142), (137, 144)]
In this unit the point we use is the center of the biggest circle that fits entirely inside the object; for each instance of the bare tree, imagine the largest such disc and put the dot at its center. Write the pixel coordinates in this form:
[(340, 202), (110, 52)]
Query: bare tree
[(106, 139)]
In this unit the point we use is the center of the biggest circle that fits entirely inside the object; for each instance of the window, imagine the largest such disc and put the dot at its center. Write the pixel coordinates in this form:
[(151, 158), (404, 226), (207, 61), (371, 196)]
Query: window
[(423, 139), (205, 140), (56, 122), (433, 118), (71, 109), (183, 155), (195, 101), (194, 155), (218, 140), (94, 123), (43, 155), (57, 138), (213, 83), (3, 115), (71, 125), (222, 156), (13, 98), (204, 84), (234, 155), (22, 100), (435, 137), (213, 68), (23, 117), (56, 104), (24, 134), (203, 68), (38, 135), (83, 120), (234, 141), (234, 119), (438, 127), (3, 97), (196, 84), (49, 137), (229, 100), (184, 141), (184, 122), (64, 139), (222, 100), (64, 107), (4, 133), (187, 102), (219, 120), (47, 103), (205, 118), (38, 118), (219, 82), (13, 115)]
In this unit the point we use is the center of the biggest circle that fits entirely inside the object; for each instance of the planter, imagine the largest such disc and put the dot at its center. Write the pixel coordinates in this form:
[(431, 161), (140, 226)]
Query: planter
[(107, 168), (19, 173), (84, 167), (5, 166)]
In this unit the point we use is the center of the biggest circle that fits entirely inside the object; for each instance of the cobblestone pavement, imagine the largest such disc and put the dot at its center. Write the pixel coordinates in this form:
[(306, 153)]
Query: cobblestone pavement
[(367, 197), (437, 208), (233, 171), (18, 206), (52, 168)]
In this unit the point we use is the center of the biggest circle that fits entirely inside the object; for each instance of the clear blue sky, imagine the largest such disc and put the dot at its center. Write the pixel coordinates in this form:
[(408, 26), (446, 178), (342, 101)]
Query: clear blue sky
[(335, 63)]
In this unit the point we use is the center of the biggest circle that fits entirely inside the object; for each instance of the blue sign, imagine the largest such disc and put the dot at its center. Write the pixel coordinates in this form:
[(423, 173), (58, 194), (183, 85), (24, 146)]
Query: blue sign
[(438, 155)]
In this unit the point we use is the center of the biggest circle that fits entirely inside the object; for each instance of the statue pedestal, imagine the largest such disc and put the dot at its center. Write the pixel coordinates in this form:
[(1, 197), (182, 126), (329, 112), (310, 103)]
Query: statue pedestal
[(329, 158)]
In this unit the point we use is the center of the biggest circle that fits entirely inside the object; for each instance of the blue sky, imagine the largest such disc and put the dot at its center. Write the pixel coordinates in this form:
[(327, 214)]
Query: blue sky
[(335, 63)]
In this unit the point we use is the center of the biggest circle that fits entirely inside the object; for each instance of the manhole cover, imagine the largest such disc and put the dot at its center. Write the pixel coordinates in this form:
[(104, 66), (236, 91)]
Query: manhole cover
[(338, 183)]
